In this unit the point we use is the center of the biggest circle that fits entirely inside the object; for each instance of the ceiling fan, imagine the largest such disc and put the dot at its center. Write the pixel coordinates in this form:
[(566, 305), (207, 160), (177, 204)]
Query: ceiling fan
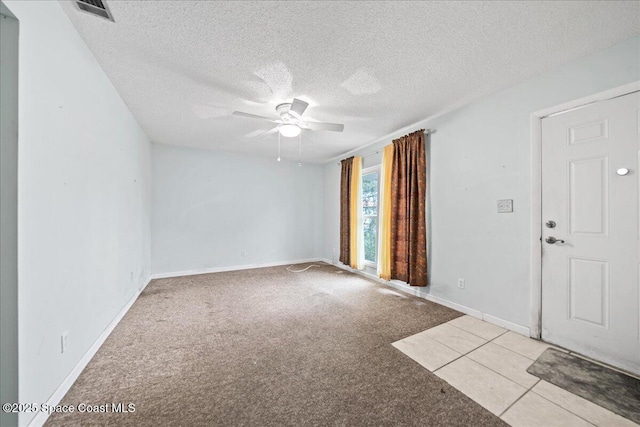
[(290, 123)]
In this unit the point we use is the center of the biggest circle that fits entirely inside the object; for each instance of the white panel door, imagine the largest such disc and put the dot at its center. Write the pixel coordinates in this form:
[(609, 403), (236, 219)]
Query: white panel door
[(590, 275)]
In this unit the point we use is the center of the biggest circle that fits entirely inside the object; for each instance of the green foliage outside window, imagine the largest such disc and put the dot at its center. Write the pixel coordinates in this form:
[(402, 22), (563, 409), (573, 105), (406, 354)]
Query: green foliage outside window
[(370, 207)]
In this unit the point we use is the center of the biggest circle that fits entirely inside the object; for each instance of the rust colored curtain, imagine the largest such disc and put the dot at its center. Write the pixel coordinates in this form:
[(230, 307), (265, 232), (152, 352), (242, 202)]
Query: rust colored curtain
[(408, 214), (345, 210)]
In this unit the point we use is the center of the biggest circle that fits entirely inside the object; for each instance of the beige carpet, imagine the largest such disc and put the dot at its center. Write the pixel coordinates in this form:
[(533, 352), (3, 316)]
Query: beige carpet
[(268, 347)]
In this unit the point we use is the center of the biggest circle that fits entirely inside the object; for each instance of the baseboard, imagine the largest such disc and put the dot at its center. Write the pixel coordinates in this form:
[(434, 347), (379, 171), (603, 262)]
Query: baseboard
[(233, 268), (56, 397), (458, 307), (60, 392), (522, 330)]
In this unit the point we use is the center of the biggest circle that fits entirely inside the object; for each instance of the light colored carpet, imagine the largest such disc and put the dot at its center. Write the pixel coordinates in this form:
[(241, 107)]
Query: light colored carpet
[(268, 347)]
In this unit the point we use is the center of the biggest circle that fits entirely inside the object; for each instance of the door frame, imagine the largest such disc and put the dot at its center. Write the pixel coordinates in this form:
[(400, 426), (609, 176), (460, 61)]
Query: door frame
[(9, 330), (535, 278)]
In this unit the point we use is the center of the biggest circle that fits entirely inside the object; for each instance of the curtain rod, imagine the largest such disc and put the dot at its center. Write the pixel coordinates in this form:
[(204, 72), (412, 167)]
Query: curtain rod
[(426, 132)]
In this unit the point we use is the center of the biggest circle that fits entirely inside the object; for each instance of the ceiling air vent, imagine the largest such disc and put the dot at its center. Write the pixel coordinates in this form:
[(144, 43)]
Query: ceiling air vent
[(95, 7)]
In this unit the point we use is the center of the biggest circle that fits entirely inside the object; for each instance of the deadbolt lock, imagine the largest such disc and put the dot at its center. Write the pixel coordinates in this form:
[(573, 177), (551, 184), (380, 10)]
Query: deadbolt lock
[(550, 224)]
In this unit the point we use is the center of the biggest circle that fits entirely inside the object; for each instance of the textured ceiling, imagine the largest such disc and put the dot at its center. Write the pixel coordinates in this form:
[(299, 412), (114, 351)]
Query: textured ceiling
[(182, 67)]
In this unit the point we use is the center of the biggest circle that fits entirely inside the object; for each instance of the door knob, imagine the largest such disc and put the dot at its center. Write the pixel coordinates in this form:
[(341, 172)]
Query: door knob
[(622, 171), (551, 240)]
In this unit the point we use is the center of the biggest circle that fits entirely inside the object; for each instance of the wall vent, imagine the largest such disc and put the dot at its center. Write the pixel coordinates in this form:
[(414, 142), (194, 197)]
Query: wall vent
[(95, 7)]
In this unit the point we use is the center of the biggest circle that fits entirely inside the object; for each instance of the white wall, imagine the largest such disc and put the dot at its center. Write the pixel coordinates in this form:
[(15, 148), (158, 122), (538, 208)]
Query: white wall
[(84, 198), (209, 207), (8, 213), (480, 154), (86, 235)]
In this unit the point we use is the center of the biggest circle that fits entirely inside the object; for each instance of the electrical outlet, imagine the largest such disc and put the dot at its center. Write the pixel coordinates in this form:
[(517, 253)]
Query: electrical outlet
[(243, 252), (131, 276), (461, 283), (505, 206), (64, 341)]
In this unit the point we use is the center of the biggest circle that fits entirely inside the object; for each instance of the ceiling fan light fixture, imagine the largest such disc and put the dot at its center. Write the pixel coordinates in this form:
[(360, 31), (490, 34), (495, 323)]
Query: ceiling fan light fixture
[(290, 130)]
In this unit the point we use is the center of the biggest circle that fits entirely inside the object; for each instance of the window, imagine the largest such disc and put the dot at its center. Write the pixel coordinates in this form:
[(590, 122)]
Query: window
[(370, 187)]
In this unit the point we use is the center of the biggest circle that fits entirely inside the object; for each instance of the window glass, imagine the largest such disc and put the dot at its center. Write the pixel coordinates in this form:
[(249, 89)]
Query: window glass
[(370, 215)]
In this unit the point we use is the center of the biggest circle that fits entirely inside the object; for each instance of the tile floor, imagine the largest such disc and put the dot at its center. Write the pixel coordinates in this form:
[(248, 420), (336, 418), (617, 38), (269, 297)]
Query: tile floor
[(489, 364)]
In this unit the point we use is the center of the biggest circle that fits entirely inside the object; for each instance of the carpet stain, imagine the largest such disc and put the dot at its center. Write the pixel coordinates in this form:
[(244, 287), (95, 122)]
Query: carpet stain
[(267, 347)]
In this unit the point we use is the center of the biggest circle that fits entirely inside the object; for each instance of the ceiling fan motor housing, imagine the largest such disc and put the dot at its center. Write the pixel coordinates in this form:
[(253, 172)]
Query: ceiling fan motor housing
[(291, 114), (283, 111)]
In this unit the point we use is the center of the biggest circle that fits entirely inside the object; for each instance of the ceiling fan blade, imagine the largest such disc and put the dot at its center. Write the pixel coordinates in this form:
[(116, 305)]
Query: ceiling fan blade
[(297, 107), (262, 133), (334, 127), (252, 116), (270, 132), (254, 133)]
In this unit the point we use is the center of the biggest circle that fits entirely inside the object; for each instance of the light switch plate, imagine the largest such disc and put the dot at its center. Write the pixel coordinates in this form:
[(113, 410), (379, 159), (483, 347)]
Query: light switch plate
[(505, 206)]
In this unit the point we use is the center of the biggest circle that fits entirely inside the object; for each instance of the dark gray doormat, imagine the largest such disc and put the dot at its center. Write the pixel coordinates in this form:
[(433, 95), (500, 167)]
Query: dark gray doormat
[(610, 389)]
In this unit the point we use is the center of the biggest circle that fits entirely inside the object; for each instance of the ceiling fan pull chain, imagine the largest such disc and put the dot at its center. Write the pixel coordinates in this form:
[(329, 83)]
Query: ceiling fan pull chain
[(278, 146), (300, 150)]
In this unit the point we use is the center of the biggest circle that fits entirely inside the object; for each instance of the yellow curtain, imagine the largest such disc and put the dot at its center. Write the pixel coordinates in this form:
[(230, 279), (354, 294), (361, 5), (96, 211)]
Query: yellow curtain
[(384, 215), (357, 240)]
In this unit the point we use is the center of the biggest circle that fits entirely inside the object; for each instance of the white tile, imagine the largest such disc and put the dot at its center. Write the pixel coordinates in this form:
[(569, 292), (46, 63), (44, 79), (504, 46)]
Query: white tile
[(535, 411), (588, 410), (505, 362), (426, 351), (489, 389), (455, 338), (522, 345), (478, 327)]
